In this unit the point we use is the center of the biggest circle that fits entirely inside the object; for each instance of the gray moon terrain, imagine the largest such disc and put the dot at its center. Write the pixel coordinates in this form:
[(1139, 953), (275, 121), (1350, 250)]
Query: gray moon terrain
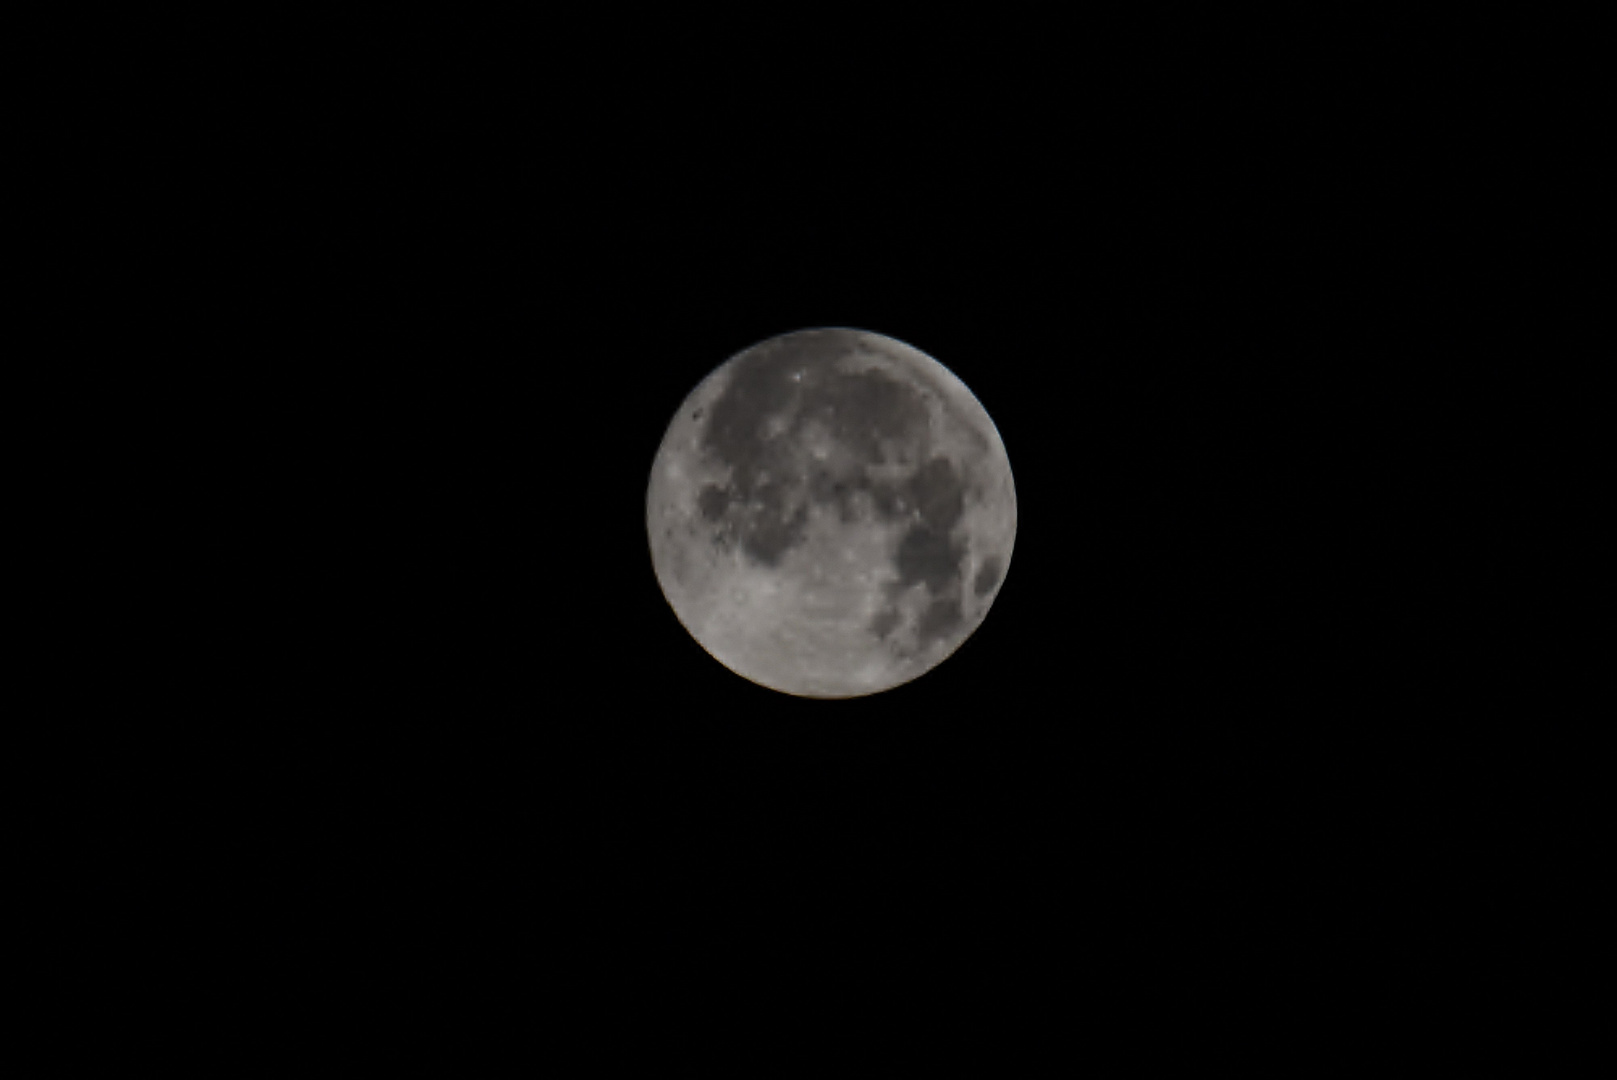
[(831, 513)]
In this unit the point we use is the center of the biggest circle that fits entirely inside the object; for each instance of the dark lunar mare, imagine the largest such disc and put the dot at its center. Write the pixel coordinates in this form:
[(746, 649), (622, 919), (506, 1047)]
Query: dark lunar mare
[(937, 494), (884, 623), (987, 576), (940, 618), (713, 502), (927, 556)]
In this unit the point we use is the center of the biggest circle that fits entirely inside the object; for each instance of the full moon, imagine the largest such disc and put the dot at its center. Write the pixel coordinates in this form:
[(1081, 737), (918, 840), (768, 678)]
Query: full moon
[(831, 513)]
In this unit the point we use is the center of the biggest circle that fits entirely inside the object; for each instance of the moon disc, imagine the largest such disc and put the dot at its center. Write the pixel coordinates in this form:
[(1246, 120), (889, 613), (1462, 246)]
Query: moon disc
[(831, 513)]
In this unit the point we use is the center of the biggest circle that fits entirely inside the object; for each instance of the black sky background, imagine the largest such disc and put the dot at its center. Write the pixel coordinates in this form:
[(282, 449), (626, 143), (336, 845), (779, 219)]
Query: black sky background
[(429, 318)]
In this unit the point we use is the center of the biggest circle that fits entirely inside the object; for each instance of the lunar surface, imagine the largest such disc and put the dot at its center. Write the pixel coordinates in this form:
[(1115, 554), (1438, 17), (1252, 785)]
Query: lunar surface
[(831, 513)]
